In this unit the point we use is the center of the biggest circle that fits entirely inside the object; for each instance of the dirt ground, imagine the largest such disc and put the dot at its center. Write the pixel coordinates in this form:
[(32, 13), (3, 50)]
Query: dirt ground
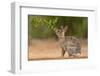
[(50, 49)]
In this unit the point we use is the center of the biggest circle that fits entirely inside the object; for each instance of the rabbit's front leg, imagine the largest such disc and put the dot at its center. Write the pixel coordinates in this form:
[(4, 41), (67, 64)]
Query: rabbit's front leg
[(63, 52)]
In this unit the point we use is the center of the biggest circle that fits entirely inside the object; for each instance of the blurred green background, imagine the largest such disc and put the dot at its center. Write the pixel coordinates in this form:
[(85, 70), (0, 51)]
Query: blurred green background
[(42, 26)]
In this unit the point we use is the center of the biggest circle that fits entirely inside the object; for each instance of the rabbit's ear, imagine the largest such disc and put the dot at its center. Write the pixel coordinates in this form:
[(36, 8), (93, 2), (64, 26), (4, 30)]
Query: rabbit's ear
[(55, 29), (65, 28), (62, 28)]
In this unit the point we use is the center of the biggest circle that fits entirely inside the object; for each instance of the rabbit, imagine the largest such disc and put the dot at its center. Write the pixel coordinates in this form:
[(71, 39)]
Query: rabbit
[(69, 44)]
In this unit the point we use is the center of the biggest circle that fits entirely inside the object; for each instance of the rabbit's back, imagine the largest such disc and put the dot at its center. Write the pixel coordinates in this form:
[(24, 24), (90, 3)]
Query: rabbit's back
[(72, 45)]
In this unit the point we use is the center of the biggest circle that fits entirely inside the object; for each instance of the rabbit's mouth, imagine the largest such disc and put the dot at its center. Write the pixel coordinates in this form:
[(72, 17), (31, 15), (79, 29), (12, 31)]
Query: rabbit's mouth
[(61, 37)]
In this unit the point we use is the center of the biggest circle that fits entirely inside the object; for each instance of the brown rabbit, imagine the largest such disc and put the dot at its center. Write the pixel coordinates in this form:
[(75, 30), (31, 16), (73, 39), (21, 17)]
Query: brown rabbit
[(68, 44)]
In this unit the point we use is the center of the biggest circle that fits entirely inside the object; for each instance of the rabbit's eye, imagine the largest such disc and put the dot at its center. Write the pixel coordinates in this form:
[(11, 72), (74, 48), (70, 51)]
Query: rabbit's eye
[(59, 31)]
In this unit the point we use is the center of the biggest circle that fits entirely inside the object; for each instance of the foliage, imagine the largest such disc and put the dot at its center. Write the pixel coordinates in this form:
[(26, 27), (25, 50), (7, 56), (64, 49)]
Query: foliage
[(42, 26)]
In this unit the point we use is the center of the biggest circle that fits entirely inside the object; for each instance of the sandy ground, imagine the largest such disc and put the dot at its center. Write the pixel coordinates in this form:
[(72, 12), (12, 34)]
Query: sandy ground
[(50, 49)]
